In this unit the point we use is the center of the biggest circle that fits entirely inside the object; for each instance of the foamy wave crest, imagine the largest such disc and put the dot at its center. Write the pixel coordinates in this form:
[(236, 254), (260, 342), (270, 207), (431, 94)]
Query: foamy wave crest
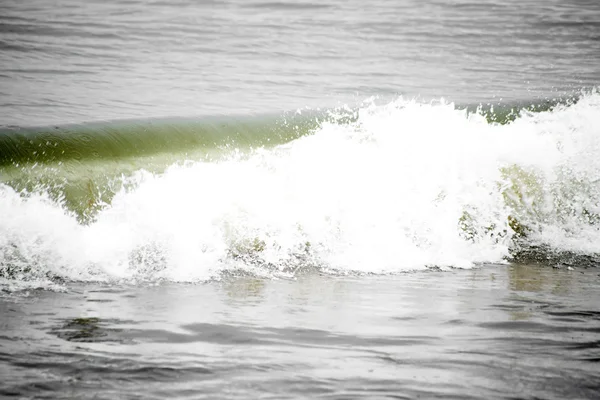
[(398, 187)]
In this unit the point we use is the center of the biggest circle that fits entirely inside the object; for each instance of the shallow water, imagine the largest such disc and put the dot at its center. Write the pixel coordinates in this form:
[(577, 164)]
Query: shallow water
[(495, 332)]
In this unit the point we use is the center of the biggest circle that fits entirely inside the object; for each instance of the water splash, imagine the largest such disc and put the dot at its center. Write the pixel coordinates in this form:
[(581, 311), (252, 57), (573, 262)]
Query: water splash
[(397, 187)]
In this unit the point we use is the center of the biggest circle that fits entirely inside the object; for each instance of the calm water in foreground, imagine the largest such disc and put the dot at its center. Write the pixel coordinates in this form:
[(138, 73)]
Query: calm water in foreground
[(495, 332)]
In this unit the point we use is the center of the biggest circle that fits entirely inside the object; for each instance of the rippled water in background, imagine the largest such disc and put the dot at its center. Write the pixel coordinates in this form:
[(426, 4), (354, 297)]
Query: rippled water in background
[(74, 61), (250, 250)]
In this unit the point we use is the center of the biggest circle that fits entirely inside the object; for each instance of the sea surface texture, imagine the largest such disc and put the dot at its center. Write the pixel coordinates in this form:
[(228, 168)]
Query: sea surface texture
[(291, 199)]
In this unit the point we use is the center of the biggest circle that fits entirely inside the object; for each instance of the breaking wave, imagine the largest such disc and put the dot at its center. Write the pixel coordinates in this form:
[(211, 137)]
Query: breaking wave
[(379, 189)]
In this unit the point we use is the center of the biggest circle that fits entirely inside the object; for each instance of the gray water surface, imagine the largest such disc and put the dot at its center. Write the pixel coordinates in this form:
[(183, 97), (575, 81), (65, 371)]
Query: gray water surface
[(77, 61), (496, 332)]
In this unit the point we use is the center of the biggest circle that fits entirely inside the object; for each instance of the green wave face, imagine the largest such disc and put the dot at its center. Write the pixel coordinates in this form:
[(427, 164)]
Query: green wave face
[(117, 140), (83, 166), (379, 189)]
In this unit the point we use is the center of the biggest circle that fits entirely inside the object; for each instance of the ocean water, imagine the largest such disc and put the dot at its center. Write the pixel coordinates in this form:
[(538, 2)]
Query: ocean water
[(243, 199)]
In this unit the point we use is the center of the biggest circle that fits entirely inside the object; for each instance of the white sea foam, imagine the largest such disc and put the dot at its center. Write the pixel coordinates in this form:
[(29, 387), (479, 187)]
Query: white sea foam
[(406, 186)]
